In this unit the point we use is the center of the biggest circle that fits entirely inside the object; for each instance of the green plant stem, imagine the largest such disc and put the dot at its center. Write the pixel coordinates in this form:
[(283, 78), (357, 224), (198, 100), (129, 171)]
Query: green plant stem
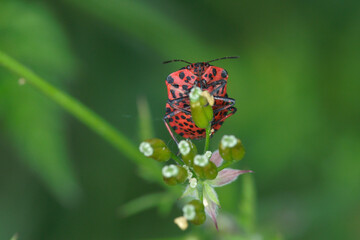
[(176, 159), (207, 139), (85, 115), (225, 165)]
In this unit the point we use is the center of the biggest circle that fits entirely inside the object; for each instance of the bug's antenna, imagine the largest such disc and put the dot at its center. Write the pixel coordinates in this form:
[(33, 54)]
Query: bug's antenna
[(176, 60), (223, 58)]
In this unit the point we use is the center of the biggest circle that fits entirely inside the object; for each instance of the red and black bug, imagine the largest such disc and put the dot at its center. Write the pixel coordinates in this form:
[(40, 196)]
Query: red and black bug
[(179, 84)]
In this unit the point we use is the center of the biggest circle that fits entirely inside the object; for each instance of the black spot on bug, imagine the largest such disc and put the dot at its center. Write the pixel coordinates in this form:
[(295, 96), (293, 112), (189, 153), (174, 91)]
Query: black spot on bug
[(191, 126), (181, 95), (177, 118), (205, 75), (173, 93), (214, 71), (175, 85), (186, 105), (186, 124), (181, 125), (181, 75), (175, 127), (189, 120), (169, 79), (192, 77), (188, 78), (168, 110), (181, 134), (210, 75), (224, 74), (199, 131), (185, 87), (171, 119)]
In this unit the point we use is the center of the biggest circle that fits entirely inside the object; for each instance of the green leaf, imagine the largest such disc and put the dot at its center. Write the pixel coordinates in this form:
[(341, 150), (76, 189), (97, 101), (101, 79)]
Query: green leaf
[(33, 124), (210, 192), (191, 193)]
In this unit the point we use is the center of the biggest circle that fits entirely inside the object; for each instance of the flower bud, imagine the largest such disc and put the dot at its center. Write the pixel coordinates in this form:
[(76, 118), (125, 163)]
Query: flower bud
[(188, 151), (204, 168), (174, 174), (193, 182), (201, 103), (155, 148), (194, 212), (231, 148)]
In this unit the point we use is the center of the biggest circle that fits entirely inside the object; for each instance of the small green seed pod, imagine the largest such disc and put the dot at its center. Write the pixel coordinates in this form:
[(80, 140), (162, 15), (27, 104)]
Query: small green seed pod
[(204, 168), (231, 148), (201, 103), (173, 174), (188, 151), (156, 149), (194, 212)]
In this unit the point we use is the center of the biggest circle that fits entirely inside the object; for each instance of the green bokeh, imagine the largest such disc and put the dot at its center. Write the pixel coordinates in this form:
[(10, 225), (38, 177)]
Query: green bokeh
[(296, 86)]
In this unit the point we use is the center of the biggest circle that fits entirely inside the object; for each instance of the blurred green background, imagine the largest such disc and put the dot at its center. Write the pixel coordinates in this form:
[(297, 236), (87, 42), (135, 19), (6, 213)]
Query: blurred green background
[(296, 84)]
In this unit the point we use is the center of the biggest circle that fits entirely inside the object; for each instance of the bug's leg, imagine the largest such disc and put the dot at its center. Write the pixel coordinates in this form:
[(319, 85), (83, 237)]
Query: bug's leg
[(168, 116), (219, 86), (231, 111), (173, 103), (229, 102)]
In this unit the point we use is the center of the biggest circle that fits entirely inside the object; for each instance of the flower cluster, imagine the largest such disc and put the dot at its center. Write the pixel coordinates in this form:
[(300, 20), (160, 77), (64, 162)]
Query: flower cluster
[(201, 172)]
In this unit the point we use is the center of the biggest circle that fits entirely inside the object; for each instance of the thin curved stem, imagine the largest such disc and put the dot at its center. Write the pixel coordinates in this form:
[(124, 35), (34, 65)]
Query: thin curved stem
[(85, 115)]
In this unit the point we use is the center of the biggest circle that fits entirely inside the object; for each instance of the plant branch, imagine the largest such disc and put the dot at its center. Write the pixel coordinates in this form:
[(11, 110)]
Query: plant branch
[(176, 159), (225, 165)]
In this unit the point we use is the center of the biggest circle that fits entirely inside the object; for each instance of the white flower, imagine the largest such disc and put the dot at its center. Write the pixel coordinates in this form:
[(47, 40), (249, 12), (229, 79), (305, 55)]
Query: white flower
[(146, 149), (193, 182), (208, 154), (189, 212), (201, 160), (228, 141), (195, 93), (184, 147), (224, 177), (170, 171)]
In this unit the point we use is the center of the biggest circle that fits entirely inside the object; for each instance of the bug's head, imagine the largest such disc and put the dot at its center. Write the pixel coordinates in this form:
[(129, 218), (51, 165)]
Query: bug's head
[(198, 68)]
